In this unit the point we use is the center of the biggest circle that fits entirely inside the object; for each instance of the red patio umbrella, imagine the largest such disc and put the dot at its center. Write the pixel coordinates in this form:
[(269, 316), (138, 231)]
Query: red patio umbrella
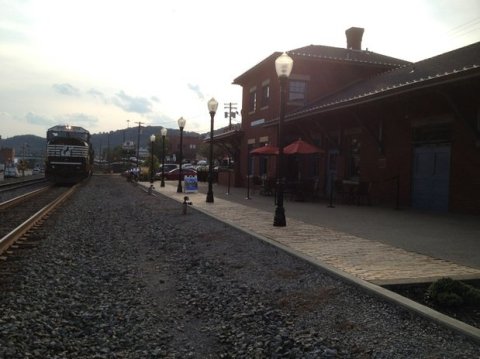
[(301, 147), (265, 150)]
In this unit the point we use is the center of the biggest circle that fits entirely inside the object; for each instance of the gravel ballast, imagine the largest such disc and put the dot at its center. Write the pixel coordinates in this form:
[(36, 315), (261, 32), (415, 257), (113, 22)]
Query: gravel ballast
[(117, 273)]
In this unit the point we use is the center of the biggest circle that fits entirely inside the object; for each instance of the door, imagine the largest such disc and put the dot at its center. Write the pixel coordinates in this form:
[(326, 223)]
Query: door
[(431, 178)]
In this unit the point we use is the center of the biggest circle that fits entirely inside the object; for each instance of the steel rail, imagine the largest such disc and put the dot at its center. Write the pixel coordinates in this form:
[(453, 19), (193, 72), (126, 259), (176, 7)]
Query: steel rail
[(9, 185), (23, 228), (23, 197)]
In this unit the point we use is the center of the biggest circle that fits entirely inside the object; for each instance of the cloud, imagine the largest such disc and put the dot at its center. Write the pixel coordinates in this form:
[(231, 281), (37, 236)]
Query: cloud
[(97, 95), (155, 99), (161, 119), (66, 89), (132, 104), (76, 119), (35, 119), (79, 119), (5, 115), (196, 89)]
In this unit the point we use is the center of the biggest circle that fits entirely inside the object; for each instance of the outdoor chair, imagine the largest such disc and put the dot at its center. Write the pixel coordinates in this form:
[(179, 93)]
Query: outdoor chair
[(256, 183), (316, 191), (267, 186), (340, 192), (362, 193)]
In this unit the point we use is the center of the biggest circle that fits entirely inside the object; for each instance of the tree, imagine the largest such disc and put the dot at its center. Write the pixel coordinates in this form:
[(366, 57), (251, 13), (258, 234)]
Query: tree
[(156, 163), (204, 151), (158, 146)]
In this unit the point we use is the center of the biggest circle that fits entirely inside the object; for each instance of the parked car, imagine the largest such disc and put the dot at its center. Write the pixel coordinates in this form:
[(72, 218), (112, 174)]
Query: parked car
[(168, 168), (11, 172), (187, 165), (175, 173)]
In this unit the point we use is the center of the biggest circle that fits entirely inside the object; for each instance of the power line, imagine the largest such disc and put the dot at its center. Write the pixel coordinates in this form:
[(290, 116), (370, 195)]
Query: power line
[(464, 29), (465, 24)]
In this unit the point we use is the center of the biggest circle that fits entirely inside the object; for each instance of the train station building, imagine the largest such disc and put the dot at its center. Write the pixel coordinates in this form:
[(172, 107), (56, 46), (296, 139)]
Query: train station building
[(409, 131)]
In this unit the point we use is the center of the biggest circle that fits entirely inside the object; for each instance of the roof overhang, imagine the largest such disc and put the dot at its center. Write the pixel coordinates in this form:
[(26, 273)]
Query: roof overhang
[(388, 92)]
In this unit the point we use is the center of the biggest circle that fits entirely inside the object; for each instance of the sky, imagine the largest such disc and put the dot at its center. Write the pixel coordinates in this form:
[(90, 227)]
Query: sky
[(107, 65)]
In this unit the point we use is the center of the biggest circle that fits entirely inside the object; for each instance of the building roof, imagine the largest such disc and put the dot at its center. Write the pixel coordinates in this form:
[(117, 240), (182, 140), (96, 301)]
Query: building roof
[(450, 66), (346, 55), (329, 53)]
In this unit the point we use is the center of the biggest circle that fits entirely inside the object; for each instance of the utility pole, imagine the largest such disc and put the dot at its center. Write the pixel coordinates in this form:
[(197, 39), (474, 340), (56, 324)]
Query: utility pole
[(231, 113), (23, 159), (138, 139), (108, 147)]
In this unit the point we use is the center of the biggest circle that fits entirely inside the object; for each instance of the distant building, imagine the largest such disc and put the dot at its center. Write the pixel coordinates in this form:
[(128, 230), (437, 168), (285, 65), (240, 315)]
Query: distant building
[(7, 156), (191, 141)]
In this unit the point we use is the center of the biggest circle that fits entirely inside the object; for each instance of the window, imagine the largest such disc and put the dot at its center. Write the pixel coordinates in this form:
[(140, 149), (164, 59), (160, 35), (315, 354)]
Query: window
[(297, 91), (433, 133), (252, 101), (265, 95)]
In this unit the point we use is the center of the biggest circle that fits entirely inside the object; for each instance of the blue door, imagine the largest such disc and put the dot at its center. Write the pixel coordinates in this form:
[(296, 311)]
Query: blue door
[(431, 178)]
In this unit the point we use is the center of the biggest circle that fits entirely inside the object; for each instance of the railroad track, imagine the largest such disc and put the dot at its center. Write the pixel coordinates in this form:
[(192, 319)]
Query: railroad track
[(20, 214), (14, 184), (13, 188)]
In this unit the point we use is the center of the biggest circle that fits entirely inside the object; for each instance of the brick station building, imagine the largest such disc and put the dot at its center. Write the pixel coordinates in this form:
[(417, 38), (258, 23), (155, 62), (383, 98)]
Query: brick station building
[(409, 130)]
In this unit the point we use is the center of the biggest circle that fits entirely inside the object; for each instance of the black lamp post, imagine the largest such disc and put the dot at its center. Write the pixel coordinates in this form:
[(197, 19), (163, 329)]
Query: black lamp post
[(283, 66), (152, 141), (181, 125), (164, 134), (212, 108)]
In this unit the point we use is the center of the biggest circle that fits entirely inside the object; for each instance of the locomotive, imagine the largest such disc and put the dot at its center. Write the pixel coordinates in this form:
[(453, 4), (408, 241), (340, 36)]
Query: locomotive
[(69, 154)]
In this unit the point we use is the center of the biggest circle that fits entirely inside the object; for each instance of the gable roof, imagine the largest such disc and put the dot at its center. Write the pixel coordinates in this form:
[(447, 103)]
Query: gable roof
[(451, 66), (346, 55), (329, 53)]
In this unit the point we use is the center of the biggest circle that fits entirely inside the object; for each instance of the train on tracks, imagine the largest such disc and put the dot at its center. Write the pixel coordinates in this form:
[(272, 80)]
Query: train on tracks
[(69, 154)]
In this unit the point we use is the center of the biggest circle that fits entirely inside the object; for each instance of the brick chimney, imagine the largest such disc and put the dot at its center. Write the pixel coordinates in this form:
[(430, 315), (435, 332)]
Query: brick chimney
[(354, 38)]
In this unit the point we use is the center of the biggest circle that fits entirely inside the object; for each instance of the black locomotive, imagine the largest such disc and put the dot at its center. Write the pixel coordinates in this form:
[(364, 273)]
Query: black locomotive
[(69, 154)]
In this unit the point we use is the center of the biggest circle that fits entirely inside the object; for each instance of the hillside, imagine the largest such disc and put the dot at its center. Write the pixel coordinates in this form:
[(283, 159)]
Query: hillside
[(32, 144), (35, 145)]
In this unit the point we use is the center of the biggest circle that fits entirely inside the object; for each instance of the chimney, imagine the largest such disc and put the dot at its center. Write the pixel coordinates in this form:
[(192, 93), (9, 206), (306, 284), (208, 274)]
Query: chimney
[(354, 38)]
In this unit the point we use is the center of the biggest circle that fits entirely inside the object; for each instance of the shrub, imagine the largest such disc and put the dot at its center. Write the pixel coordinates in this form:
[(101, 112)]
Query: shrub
[(447, 292)]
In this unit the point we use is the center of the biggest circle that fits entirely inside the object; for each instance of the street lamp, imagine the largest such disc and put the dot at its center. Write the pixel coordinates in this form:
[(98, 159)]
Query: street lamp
[(212, 108), (283, 66), (181, 125), (164, 134), (152, 141)]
